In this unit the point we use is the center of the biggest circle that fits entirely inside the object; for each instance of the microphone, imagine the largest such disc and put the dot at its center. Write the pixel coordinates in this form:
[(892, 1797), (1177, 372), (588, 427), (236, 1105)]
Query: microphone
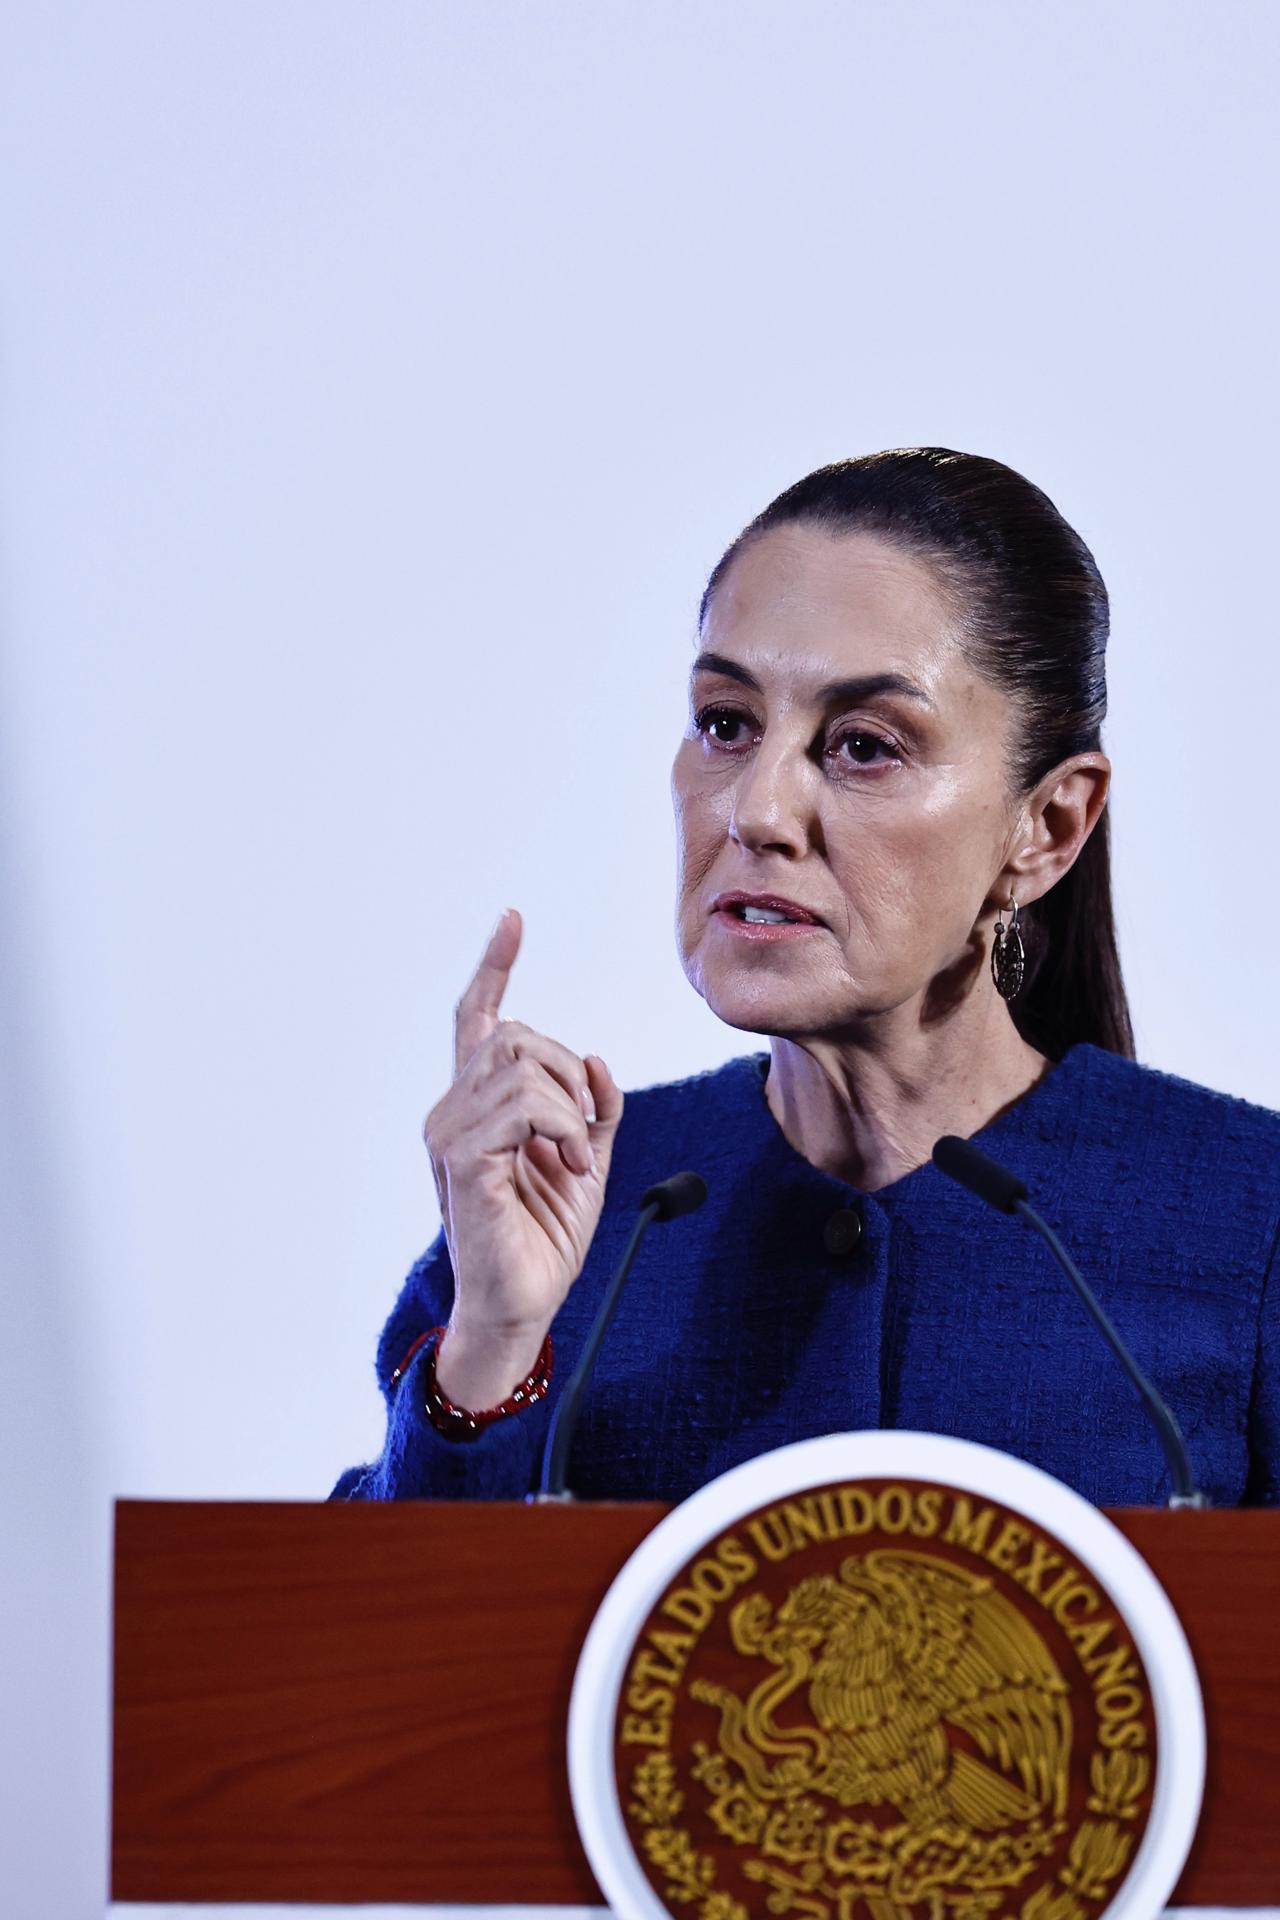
[(667, 1201), (991, 1182), (682, 1193)]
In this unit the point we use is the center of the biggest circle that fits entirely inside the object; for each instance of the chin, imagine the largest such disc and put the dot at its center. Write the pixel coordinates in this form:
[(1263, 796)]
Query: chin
[(762, 1006)]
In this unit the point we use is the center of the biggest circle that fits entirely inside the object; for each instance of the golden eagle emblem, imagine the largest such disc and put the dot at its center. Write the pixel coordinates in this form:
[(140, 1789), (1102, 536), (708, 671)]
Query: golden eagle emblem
[(891, 1658)]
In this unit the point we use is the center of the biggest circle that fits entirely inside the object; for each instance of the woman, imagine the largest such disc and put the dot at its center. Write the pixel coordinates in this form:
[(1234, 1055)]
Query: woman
[(894, 863)]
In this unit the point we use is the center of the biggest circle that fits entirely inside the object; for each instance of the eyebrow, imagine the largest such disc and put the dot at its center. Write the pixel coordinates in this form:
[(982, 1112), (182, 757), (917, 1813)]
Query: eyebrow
[(863, 687)]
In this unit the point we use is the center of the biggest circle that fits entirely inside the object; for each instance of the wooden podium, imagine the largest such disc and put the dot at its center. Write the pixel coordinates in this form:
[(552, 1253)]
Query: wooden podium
[(368, 1702)]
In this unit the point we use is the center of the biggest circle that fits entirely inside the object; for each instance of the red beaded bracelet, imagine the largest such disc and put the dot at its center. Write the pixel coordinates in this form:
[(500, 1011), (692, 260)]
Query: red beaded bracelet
[(459, 1422)]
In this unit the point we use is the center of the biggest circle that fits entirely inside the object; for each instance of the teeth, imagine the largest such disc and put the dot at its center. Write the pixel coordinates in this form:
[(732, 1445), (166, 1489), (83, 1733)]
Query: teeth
[(764, 916)]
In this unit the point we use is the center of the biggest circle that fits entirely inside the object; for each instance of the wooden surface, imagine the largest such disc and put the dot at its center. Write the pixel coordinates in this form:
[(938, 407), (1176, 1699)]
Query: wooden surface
[(368, 1702)]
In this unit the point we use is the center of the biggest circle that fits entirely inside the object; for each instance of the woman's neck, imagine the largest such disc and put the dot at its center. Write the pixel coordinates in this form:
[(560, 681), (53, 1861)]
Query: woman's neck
[(869, 1108)]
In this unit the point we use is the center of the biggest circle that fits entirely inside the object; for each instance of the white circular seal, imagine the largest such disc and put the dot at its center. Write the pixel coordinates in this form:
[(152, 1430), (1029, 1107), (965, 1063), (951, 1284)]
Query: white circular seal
[(974, 1471)]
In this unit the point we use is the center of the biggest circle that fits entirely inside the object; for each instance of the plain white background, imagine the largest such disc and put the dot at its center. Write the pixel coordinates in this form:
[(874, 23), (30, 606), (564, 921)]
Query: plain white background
[(380, 382)]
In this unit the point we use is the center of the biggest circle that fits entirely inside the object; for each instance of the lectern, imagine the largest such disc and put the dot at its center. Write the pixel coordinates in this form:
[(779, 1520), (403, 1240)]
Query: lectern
[(368, 1702)]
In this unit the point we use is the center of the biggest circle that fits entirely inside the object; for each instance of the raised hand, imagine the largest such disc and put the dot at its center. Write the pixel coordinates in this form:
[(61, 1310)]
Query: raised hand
[(520, 1148)]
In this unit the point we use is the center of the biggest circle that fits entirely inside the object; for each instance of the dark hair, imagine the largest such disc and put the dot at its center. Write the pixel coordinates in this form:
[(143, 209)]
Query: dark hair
[(1034, 619)]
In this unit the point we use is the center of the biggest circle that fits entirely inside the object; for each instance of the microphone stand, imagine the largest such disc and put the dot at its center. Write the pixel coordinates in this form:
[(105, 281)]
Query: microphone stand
[(1003, 1190), (680, 1194)]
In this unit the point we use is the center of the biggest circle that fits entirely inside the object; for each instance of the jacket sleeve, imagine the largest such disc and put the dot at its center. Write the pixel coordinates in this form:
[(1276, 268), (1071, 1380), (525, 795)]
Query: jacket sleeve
[(1263, 1488), (417, 1462)]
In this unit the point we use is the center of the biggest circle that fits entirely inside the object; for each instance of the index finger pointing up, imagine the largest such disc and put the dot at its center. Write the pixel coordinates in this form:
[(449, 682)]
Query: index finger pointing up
[(476, 1014)]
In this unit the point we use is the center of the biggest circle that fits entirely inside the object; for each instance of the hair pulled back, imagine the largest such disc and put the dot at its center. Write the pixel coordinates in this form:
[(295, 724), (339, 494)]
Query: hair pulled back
[(1034, 619)]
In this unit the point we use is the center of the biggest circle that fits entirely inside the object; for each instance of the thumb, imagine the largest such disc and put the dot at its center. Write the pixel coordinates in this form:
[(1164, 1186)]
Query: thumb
[(607, 1097)]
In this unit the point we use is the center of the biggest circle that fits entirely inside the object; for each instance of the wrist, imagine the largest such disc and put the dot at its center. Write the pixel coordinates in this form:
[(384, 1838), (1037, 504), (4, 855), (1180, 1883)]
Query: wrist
[(476, 1371), (463, 1422)]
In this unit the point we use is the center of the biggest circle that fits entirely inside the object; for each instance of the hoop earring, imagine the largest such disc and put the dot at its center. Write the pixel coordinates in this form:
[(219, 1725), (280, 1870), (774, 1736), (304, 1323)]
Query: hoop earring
[(1008, 955)]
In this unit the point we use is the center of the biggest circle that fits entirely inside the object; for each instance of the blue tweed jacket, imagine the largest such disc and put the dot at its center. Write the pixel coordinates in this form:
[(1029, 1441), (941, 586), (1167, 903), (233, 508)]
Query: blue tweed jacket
[(791, 1304)]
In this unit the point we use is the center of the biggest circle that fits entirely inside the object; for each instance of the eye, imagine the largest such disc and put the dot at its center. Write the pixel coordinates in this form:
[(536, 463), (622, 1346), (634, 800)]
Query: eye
[(865, 748), (724, 726)]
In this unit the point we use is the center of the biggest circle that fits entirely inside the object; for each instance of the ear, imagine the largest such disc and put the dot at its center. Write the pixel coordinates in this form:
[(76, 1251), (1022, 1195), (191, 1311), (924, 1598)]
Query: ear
[(1055, 820)]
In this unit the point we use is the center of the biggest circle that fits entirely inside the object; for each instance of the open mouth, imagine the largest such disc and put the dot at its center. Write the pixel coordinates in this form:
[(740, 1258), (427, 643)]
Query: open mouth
[(766, 915)]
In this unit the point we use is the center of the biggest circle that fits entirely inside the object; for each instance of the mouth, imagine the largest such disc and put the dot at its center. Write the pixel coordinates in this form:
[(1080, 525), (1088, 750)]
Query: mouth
[(763, 916)]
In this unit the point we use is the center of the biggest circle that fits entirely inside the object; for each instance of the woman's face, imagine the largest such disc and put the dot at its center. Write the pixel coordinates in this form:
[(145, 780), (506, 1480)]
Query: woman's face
[(843, 759)]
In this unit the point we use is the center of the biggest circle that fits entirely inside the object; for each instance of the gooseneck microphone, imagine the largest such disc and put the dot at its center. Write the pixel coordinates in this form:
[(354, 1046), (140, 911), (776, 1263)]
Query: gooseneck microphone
[(667, 1201), (1004, 1191)]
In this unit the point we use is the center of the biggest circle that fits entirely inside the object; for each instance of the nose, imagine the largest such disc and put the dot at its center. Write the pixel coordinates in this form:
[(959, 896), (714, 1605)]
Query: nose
[(772, 801)]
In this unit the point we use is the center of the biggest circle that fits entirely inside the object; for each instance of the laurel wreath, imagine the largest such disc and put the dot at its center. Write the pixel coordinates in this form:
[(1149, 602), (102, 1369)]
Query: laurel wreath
[(1098, 1852)]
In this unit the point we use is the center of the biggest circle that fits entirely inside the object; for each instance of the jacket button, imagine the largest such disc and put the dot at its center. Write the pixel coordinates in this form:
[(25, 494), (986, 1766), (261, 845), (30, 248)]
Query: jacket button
[(842, 1232)]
